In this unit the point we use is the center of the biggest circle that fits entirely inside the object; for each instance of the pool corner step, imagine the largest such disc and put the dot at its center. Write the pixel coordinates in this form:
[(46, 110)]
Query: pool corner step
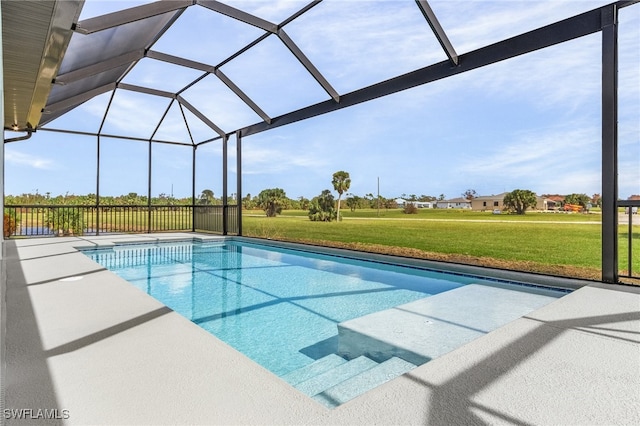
[(427, 328), (335, 375), (314, 369), (363, 382)]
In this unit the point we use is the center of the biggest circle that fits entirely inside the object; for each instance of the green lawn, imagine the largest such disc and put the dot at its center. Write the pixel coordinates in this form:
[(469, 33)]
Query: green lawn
[(541, 242), (457, 214)]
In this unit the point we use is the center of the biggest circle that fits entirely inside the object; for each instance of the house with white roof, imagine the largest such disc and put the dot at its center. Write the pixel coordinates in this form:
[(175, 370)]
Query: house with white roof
[(454, 203), (401, 202)]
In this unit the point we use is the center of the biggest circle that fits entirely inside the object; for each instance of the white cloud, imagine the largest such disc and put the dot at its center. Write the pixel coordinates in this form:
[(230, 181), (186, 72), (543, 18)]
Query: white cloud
[(567, 76), (22, 159), (629, 183), (96, 106), (585, 181), (220, 104), (271, 10), (263, 160), (560, 160), (153, 74), (474, 24), (136, 115), (132, 114), (629, 66), (358, 43), (95, 8)]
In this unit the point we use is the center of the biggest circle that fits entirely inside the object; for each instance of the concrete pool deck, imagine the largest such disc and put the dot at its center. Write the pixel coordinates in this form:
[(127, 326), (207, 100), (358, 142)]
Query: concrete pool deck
[(80, 340)]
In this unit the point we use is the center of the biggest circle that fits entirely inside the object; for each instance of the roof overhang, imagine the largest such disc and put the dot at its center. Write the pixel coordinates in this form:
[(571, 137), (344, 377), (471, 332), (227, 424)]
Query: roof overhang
[(35, 36)]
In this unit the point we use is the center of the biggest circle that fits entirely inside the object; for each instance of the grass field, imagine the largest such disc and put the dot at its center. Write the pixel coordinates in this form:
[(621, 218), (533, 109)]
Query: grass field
[(559, 244), (456, 214)]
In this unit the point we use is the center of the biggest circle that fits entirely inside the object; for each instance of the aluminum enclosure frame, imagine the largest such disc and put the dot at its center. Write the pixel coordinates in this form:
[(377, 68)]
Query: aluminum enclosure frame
[(602, 19)]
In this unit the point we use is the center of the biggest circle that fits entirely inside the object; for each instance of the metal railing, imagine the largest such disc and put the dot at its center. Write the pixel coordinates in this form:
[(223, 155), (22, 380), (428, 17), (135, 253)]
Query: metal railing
[(631, 208), (48, 221), (228, 255), (211, 219)]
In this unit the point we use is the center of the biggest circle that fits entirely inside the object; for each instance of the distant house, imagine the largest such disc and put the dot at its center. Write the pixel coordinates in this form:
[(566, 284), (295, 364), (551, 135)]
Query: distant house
[(554, 201), (455, 203), (419, 204), (544, 203), (634, 210), (496, 202), (558, 199), (488, 202)]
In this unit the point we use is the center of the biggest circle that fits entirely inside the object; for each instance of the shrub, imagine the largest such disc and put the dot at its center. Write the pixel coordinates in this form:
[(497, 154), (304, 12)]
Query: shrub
[(9, 225), (65, 221), (410, 208), (272, 201), (322, 207)]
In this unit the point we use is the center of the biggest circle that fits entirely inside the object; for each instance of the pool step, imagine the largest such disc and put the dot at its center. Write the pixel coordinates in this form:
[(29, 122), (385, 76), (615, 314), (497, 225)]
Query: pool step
[(335, 375), (315, 368), (386, 344), (363, 382), (427, 328)]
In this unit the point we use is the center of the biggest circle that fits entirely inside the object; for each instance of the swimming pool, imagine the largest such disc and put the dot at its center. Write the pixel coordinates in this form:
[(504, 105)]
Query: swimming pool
[(332, 326)]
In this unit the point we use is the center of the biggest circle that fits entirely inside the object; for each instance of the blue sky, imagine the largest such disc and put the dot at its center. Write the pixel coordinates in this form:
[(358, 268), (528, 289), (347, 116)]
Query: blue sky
[(531, 122)]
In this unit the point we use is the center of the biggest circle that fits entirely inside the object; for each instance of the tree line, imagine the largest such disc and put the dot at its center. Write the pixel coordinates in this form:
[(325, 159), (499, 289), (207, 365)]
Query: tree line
[(207, 197), (323, 207)]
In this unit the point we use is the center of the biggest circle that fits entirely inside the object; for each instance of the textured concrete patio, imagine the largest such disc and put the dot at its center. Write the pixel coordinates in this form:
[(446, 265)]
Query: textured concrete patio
[(78, 339)]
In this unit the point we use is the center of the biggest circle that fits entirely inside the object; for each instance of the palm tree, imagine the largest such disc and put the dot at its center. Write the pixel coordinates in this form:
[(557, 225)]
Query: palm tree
[(272, 201), (206, 197), (341, 183)]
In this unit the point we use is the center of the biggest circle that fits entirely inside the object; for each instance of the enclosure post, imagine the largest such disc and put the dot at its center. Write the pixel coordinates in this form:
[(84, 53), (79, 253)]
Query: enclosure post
[(98, 185), (239, 179), (193, 189), (630, 244), (1, 202), (3, 276), (609, 144), (149, 192), (104, 118), (224, 185)]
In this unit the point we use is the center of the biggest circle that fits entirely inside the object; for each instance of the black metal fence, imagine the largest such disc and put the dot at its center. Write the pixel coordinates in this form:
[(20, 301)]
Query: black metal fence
[(212, 219), (227, 256), (45, 221), (631, 208)]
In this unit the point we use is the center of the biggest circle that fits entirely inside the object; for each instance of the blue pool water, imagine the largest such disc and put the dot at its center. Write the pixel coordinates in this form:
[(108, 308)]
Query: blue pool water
[(279, 307)]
